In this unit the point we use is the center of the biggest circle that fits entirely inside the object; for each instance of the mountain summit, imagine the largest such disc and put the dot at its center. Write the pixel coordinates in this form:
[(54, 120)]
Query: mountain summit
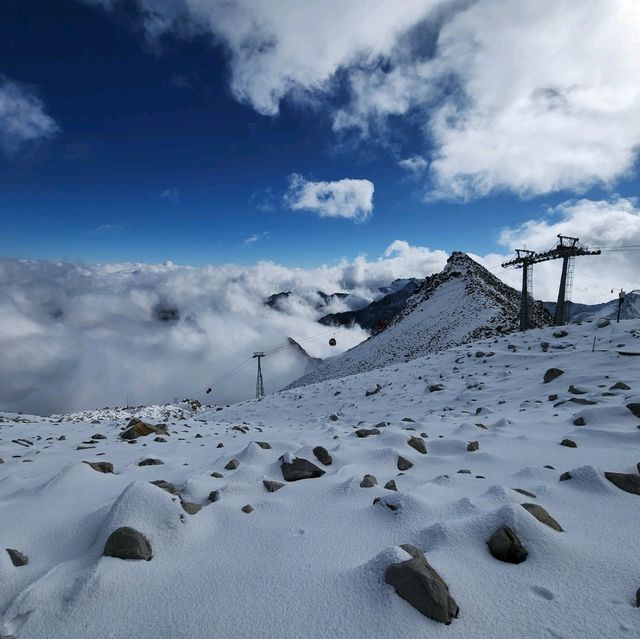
[(462, 303)]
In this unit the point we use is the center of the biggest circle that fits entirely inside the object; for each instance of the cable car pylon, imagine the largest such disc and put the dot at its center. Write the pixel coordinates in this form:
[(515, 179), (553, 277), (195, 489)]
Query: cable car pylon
[(259, 382)]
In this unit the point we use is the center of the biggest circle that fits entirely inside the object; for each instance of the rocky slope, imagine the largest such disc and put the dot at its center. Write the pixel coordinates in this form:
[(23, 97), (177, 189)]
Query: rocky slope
[(464, 302), (375, 316), (332, 511)]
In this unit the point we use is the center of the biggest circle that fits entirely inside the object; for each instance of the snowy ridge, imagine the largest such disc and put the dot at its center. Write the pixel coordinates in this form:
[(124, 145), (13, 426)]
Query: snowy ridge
[(309, 560), (464, 302)]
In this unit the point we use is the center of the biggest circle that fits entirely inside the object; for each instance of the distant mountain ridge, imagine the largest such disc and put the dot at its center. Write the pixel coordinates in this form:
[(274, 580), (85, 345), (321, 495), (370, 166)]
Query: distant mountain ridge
[(609, 310), (375, 316), (462, 303)]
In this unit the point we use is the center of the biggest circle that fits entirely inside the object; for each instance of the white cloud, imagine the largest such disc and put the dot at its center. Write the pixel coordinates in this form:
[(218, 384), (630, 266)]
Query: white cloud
[(348, 198), (415, 164), (256, 237), (551, 104), (612, 223), (78, 335), (529, 97), (22, 116)]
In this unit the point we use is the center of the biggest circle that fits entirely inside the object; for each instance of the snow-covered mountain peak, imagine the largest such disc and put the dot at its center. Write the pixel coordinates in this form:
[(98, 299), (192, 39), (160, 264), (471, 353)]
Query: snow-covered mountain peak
[(462, 303)]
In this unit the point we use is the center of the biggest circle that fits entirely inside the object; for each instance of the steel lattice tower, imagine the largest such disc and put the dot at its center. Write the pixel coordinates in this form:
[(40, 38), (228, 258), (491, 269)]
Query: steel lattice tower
[(259, 382)]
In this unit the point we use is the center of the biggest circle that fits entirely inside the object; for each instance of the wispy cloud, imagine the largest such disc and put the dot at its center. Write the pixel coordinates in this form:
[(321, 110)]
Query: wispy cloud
[(256, 237), (172, 195), (22, 116), (416, 165), (347, 198)]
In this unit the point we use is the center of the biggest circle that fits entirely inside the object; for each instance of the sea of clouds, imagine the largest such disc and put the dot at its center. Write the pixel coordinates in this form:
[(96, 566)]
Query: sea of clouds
[(77, 335)]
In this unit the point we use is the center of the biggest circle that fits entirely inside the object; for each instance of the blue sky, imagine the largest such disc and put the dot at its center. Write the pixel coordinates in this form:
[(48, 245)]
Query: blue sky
[(154, 152)]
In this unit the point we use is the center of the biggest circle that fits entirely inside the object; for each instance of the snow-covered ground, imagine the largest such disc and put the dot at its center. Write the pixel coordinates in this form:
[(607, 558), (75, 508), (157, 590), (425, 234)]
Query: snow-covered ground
[(310, 559)]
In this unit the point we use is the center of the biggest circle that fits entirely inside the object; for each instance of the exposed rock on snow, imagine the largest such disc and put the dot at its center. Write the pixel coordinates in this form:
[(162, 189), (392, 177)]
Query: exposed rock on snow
[(101, 467), (506, 546), (473, 446), (569, 443), (551, 374), (367, 432), (418, 444), (625, 481), (128, 543), (232, 464), (419, 584), (150, 461), (373, 391), (17, 558), (272, 486), (368, 481), (404, 463), (137, 428), (322, 455), (634, 408), (542, 516), (298, 468)]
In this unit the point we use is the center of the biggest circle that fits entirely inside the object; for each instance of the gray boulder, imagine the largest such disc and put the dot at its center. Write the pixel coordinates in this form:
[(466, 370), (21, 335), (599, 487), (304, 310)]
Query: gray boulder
[(368, 481), (418, 444), (128, 543), (322, 455), (505, 546), (634, 408), (300, 469), (377, 389), (272, 486), (232, 464), (542, 516), (551, 374), (419, 584), (625, 481), (150, 461), (367, 432), (473, 446), (404, 463), (17, 558), (101, 467)]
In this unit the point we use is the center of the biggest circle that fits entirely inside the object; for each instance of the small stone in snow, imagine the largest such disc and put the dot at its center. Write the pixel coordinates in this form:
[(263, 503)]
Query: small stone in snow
[(264, 445), (150, 461), (232, 464), (369, 481), (505, 546), (551, 374), (128, 543), (391, 485), (17, 558), (569, 443), (473, 446), (101, 467), (366, 432), (419, 584), (625, 481), (272, 486), (322, 455), (542, 516), (247, 509), (298, 468), (418, 444), (404, 463), (214, 496), (579, 421)]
